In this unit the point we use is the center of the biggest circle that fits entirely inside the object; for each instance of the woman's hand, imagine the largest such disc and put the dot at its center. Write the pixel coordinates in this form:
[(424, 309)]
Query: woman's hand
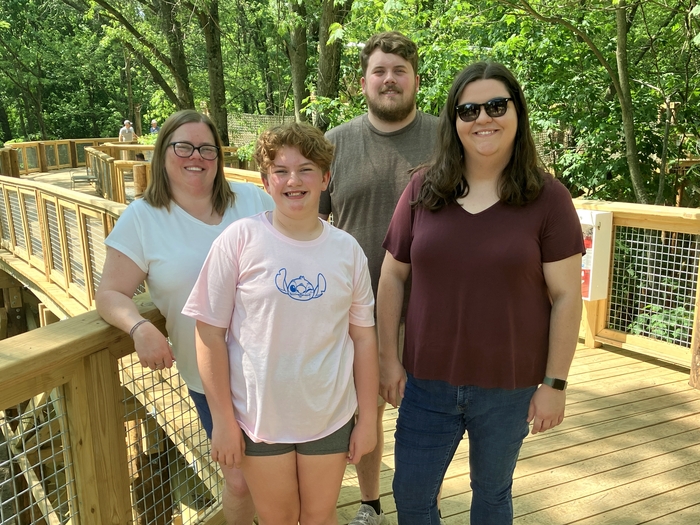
[(546, 408), (392, 379), (363, 439), (152, 347), (227, 444)]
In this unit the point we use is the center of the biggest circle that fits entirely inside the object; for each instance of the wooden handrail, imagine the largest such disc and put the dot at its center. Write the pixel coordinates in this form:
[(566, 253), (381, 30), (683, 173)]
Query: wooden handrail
[(670, 221)]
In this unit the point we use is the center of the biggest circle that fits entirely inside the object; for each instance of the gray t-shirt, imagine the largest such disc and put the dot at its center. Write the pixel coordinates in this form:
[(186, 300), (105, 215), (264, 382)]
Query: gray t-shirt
[(368, 175)]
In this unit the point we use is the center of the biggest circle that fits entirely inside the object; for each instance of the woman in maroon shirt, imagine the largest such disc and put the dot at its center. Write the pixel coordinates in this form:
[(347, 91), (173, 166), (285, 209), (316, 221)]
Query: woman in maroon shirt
[(493, 246)]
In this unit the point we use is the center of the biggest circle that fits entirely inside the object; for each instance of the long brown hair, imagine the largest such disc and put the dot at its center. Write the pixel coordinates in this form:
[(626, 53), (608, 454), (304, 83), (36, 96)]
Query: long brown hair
[(158, 193), (444, 181)]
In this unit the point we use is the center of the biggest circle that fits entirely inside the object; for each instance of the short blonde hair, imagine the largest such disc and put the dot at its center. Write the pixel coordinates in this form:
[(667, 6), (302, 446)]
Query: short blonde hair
[(158, 193), (309, 140)]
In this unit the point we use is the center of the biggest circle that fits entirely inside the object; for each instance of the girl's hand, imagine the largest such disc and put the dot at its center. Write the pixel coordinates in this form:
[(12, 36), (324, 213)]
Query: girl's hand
[(152, 347), (363, 440), (227, 444)]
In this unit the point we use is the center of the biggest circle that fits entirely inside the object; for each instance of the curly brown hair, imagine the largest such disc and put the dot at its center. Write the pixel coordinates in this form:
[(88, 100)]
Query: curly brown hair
[(310, 141)]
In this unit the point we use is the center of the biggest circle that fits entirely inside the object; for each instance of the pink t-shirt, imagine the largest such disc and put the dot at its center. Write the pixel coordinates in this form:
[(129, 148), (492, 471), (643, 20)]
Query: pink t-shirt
[(288, 306)]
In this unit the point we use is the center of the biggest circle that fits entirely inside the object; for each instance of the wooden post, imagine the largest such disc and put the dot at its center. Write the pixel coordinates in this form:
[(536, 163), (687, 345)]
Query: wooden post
[(96, 421), (5, 164), (73, 154), (139, 180), (14, 163), (43, 163), (592, 319)]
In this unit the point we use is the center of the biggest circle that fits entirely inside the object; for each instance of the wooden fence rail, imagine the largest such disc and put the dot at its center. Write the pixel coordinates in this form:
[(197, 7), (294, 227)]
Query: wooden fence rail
[(652, 304)]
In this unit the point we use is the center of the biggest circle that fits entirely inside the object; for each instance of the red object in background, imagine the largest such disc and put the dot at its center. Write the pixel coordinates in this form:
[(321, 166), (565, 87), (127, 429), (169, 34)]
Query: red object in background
[(588, 241), (585, 283)]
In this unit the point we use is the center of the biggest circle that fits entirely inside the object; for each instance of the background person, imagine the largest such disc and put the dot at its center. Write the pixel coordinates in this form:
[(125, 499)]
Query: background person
[(154, 127), (164, 239), (493, 245), (286, 341), (127, 134), (374, 154)]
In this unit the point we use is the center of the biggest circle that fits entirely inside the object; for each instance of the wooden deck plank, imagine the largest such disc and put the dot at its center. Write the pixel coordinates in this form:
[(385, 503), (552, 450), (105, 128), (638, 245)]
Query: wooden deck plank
[(628, 452)]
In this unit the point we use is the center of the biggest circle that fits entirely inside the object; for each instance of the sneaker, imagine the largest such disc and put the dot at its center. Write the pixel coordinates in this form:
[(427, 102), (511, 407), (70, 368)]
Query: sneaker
[(367, 516)]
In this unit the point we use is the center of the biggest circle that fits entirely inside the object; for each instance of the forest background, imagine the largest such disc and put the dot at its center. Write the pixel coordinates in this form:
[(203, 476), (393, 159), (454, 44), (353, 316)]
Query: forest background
[(613, 86)]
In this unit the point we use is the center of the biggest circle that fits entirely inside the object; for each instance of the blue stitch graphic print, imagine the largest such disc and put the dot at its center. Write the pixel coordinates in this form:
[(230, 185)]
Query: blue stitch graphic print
[(300, 289)]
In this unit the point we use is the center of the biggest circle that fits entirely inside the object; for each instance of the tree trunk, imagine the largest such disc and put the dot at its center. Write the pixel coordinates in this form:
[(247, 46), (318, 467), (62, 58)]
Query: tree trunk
[(215, 67), (298, 53), (329, 55), (626, 105), (5, 129), (129, 90), (173, 34)]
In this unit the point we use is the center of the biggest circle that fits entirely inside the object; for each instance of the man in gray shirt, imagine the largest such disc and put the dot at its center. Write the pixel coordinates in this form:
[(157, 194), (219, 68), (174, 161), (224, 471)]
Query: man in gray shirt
[(373, 157)]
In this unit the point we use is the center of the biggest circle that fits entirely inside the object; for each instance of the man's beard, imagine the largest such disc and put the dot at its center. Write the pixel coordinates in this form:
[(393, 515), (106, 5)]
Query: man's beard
[(391, 111)]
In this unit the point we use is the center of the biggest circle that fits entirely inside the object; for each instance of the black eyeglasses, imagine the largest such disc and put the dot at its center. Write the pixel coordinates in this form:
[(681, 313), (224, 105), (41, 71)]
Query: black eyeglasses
[(496, 107), (185, 150)]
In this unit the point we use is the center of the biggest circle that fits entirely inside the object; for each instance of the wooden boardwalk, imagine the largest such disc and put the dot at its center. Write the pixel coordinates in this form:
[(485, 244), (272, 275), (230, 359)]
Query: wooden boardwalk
[(628, 452)]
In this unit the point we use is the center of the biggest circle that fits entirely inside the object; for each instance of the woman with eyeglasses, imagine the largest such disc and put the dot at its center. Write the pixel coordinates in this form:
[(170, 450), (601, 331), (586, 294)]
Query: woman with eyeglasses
[(163, 239), (493, 246)]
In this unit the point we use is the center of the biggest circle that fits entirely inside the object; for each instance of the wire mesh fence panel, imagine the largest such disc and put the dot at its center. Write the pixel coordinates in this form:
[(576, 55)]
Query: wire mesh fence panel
[(32, 153), (35, 234), (80, 151), (17, 224), (63, 154), (36, 480), (4, 221), (51, 161), (54, 236), (94, 233), (77, 268), (172, 477), (654, 283)]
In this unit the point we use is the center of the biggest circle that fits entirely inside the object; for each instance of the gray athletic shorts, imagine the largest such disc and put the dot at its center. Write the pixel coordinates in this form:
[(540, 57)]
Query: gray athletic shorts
[(337, 442)]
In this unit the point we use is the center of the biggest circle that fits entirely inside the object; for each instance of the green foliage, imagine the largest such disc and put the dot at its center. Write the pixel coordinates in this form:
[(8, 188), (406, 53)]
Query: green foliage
[(245, 152), (663, 324)]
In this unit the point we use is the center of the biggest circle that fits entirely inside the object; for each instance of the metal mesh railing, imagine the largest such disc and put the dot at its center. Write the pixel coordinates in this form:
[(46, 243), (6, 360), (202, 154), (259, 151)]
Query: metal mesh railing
[(36, 482), (74, 248), (18, 225), (34, 226), (54, 237), (653, 285), (172, 477)]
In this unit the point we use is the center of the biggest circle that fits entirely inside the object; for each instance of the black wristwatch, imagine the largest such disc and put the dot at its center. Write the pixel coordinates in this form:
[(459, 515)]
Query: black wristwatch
[(556, 384)]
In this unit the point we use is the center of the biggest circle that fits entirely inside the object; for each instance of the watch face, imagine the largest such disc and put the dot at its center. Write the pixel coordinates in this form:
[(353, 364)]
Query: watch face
[(557, 384)]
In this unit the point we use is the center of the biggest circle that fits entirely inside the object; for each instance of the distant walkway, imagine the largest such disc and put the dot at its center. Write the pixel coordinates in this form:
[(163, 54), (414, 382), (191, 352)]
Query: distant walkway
[(62, 178)]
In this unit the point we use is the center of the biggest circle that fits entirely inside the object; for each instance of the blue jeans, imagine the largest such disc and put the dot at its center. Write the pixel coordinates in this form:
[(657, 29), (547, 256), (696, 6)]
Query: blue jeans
[(432, 419), (202, 406)]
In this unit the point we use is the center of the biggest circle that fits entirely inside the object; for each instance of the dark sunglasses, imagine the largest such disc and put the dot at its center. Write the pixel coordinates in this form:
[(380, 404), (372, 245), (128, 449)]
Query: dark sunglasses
[(496, 107)]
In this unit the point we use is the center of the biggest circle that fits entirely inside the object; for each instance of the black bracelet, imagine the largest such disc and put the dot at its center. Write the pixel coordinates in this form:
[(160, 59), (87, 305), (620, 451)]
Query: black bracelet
[(139, 323)]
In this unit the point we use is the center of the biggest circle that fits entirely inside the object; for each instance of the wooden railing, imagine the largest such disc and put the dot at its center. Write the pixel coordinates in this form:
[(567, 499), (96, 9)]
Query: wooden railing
[(53, 240), (42, 156), (91, 435), (74, 425), (652, 304)]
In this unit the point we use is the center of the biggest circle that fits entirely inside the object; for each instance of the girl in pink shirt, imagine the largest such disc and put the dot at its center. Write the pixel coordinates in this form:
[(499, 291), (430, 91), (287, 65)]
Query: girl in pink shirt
[(286, 344)]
